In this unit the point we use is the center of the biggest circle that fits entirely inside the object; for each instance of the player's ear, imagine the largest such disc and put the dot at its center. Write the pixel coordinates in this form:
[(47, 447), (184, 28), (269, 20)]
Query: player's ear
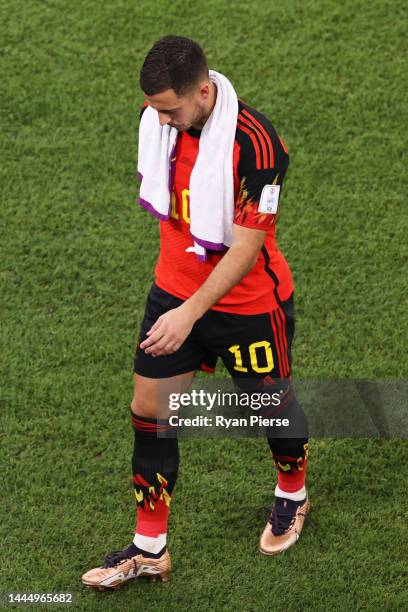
[(204, 89)]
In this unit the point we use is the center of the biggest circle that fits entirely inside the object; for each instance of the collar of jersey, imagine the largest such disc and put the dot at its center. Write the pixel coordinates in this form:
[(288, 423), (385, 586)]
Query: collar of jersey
[(194, 132)]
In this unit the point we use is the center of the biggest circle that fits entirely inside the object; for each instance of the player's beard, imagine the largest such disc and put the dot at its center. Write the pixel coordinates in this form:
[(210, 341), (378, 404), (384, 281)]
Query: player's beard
[(197, 122), (200, 117)]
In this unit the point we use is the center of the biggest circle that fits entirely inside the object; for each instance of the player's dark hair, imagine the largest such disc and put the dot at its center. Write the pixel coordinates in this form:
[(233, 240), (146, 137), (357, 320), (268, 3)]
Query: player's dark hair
[(174, 62)]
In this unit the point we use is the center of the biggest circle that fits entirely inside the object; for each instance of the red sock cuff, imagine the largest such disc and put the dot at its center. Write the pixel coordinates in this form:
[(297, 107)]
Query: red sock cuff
[(152, 522), (294, 480)]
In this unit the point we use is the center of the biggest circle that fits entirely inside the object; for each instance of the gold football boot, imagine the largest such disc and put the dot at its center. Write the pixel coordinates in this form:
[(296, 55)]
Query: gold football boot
[(284, 525), (119, 567)]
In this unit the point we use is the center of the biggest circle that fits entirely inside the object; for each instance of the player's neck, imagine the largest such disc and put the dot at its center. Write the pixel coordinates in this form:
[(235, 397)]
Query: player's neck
[(209, 107)]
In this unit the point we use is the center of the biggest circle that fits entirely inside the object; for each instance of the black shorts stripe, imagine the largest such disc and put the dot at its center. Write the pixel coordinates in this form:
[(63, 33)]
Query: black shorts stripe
[(281, 316), (280, 341)]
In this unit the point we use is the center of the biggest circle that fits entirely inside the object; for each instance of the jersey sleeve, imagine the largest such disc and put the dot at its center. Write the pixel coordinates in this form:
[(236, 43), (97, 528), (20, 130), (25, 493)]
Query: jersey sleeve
[(261, 170)]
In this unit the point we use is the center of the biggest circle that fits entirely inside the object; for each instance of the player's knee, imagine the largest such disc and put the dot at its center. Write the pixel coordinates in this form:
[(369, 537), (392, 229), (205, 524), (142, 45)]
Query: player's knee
[(143, 405)]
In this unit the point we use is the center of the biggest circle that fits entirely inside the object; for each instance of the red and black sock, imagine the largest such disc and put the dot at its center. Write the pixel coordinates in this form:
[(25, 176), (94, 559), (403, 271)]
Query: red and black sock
[(290, 458), (155, 465), (289, 453)]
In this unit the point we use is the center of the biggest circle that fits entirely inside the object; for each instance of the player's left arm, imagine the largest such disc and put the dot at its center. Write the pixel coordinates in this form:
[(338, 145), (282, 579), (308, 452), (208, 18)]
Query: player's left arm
[(173, 327)]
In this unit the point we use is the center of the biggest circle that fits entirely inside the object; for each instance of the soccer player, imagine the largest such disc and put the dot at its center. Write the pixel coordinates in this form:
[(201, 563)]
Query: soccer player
[(234, 302)]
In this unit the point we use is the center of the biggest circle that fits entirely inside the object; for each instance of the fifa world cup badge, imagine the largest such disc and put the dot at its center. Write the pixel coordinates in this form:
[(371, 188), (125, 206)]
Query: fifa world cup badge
[(269, 199)]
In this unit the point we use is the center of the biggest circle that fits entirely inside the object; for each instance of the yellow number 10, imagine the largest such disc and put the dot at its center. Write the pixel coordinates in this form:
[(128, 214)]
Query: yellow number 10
[(236, 350)]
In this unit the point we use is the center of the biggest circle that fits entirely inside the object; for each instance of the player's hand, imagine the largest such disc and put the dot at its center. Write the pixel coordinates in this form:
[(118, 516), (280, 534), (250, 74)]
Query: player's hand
[(169, 331)]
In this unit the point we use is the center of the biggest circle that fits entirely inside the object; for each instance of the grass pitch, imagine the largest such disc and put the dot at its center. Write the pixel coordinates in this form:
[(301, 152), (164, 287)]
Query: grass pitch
[(77, 259)]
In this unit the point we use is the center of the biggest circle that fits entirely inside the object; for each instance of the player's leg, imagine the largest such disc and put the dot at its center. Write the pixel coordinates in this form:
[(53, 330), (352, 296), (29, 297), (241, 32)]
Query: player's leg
[(155, 459), (155, 456), (155, 462), (289, 454), (256, 350)]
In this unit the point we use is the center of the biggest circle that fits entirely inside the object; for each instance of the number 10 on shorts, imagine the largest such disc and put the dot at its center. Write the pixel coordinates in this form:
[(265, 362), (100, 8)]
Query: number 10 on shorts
[(254, 350)]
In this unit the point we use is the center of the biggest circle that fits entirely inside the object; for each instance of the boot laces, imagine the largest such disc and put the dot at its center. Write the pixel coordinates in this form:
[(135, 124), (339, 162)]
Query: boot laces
[(283, 515), (116, 557)]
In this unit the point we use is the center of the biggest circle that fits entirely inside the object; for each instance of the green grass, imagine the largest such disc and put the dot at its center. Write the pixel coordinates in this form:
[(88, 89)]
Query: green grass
[(77, 259)]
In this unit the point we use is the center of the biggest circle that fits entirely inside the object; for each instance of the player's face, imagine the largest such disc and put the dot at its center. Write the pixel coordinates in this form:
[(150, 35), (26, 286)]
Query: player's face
[(181, 112)]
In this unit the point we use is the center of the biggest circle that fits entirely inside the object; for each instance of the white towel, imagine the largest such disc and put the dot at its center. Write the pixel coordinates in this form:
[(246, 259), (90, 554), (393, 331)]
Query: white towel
[(212, 180)]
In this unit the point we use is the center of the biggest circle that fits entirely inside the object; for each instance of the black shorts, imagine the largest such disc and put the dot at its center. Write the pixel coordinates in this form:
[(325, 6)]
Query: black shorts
[(251, 346)]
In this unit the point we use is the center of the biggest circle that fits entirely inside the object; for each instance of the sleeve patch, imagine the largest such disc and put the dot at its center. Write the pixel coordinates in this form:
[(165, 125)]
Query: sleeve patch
[(269, 200)]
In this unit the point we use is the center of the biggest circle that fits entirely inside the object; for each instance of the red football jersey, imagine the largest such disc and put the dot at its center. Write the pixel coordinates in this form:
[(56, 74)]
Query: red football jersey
[(260, 159)]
